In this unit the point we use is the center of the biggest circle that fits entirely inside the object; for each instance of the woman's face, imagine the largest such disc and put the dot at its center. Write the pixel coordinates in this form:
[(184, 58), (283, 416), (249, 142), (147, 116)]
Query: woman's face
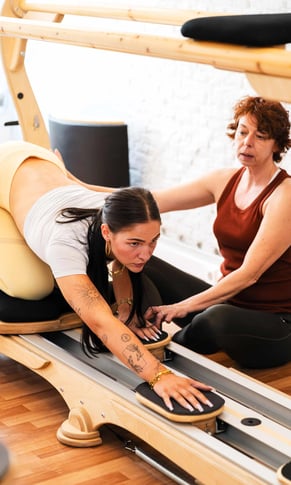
[(134, 245), (253, 147)]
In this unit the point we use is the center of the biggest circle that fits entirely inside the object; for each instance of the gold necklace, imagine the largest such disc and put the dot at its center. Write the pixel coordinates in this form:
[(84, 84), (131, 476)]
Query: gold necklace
[(117, 272)]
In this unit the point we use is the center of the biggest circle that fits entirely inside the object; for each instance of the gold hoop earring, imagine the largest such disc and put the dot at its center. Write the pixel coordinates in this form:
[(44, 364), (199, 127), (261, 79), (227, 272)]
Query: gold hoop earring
[(107, 248)]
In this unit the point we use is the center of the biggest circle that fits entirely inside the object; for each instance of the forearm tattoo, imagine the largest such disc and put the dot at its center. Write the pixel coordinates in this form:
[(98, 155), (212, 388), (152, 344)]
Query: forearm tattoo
[(74, 307), (88, 294), (133, 354)]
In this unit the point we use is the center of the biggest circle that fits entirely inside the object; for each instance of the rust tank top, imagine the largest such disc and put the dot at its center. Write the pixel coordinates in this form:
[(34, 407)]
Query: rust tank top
[(235, 230)]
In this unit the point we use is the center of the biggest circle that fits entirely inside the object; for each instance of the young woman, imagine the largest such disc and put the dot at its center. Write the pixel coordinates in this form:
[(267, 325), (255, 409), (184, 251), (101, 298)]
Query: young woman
[(247, 313), (54, 228)]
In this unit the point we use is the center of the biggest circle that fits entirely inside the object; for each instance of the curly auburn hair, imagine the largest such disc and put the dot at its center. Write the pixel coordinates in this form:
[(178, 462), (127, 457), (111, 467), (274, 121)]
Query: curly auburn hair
[(272, 119)]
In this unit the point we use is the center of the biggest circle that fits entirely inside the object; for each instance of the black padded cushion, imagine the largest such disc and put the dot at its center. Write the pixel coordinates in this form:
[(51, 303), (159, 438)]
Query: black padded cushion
[(18, 310), (258, 30), (145, 391), (286, 471)]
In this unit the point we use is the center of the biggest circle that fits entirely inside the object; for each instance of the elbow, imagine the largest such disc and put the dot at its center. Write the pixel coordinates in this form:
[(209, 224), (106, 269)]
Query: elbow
[(252, 279)]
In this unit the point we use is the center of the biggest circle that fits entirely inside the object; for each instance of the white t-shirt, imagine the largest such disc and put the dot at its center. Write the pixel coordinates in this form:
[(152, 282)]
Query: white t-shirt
[(63, 247)]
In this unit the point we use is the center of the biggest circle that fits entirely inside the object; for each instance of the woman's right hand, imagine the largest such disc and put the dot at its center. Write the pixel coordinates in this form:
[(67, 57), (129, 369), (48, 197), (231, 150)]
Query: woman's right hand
[(184, 390)]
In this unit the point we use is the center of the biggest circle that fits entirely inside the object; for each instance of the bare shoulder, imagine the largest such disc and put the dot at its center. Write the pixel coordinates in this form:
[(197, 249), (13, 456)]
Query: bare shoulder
[(217, 180), (280, 198), (284, 190), (284, 187)]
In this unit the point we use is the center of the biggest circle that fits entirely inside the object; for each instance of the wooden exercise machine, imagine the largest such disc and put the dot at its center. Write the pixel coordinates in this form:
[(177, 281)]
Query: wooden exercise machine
[(246, 444), (249, 442)]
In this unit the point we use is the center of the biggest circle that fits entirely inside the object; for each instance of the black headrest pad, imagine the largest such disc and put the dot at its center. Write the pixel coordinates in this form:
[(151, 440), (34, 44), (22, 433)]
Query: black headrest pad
[(258, 30)]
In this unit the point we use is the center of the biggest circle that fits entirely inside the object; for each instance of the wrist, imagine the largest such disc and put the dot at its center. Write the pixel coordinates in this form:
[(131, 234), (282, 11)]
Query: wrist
[(187, 305), (157, 377)]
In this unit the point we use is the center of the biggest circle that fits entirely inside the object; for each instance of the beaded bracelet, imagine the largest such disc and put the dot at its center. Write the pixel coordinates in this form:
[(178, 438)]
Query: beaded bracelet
[(158, 376)]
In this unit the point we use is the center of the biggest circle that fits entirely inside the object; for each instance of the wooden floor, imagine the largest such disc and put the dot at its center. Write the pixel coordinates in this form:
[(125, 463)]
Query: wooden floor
[(31, 411)]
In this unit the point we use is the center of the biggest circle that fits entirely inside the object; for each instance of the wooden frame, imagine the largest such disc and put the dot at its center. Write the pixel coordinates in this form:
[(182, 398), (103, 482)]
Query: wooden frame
[(93, 403), (267, 69), (95, 398)]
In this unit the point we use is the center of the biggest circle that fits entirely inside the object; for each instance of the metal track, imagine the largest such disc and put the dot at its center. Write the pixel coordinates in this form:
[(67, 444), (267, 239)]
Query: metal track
[(233, 384)]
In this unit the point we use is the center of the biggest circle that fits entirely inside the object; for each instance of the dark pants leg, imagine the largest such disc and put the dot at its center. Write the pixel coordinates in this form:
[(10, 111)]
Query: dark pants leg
[(254, 339)]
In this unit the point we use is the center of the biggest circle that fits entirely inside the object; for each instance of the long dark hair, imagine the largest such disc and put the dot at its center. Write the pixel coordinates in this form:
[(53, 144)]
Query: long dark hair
[(122, 208)]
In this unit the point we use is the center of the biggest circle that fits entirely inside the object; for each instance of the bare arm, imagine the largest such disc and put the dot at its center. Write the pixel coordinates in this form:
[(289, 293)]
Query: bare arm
[(197, 193), (271, 241), (122, 288), (88, 303)]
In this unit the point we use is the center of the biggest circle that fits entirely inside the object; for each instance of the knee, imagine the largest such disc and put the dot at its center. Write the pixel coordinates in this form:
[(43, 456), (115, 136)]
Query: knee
[(214, 321), (203, 333)]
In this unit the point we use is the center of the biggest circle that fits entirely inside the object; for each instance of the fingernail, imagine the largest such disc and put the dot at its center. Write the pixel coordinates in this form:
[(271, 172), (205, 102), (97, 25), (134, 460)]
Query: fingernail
[(190, 408), (199, 407), (170, 407), (209, 404)]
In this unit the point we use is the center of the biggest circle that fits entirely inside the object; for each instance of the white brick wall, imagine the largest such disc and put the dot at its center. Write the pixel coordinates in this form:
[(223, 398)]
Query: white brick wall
[(176, 112)]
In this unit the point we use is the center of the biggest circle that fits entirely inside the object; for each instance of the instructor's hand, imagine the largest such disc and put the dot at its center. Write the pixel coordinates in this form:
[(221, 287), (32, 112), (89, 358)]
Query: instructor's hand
[(166, 313)]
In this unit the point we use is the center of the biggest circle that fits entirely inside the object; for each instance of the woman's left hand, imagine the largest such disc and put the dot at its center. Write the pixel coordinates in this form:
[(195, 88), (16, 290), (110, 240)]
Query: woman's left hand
[(149, 333)]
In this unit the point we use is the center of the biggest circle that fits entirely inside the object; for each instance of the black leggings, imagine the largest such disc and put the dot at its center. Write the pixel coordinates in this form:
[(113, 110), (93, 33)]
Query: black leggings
[(254, 339)]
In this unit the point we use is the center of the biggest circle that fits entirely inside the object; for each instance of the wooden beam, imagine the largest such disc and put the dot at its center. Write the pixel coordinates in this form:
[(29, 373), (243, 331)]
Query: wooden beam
[(104, 10), (269, 61), (267, 69)]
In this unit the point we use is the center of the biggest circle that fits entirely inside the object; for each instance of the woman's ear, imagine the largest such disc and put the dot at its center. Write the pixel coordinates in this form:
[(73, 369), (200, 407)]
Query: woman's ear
[(105, 231)]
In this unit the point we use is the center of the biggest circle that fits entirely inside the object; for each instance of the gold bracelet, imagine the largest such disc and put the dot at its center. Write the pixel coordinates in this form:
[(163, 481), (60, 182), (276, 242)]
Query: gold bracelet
[(158, 376)]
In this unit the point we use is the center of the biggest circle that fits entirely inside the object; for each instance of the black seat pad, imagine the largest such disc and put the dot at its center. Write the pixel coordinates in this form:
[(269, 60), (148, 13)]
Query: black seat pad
[(19, 310)]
